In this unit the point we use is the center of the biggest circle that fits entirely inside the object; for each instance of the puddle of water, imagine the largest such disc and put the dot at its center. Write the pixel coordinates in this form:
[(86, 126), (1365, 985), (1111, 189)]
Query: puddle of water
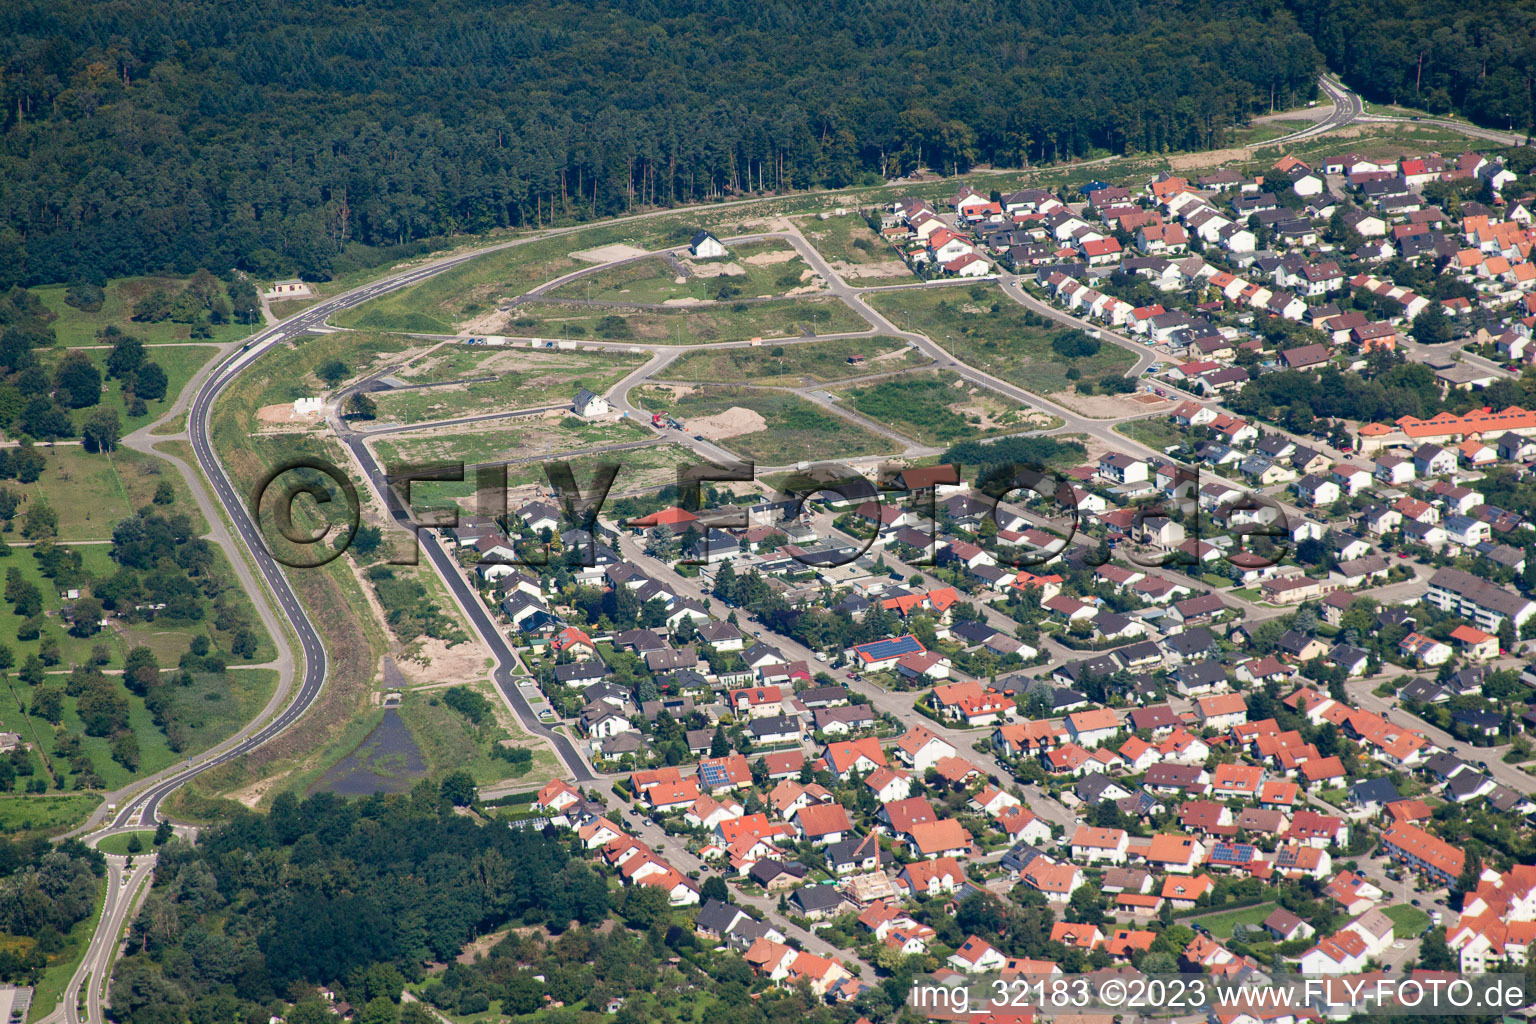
[(387, 761)]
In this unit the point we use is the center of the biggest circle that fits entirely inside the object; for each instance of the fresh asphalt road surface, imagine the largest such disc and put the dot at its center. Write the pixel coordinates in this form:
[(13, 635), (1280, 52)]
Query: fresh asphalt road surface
[(143, 807), (508, 667)]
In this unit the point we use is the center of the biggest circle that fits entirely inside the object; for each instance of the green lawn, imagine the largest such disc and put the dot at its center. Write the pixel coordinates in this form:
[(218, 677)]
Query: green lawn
[(96, 561), (792, 364), (44, 813), (524, 378), (450, 741), (769, 267), (1407, 921), (939, 408), (179, 362), (690, 325), (1154, 432), (118, 842), (794, 430), (1261, 133), (990, 331), (440, 303), (84, 489), (210, 709), (78, 327), (1221, 925), (289, 373), (509, 439)]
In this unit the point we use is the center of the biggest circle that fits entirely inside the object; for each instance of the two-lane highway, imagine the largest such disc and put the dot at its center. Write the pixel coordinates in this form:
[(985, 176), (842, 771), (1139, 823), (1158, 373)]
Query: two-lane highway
[(143, 807)]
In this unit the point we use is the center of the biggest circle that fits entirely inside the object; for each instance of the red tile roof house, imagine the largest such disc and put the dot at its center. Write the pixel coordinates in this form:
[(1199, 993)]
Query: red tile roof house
[(1222, 711), (931, 877), (1427, 854), (920, 748), (943, 838), (1091, 728), (1174, 853), (673, 516), (1236, 780), (1099, 845), (1056, 881), (976, 956), (854, 756), (1183, 892), (822, 823), (900, 815)]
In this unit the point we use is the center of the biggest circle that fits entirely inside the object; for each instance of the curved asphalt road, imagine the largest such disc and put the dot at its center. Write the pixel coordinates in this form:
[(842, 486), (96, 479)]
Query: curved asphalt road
[(508, 668), (143, 808)]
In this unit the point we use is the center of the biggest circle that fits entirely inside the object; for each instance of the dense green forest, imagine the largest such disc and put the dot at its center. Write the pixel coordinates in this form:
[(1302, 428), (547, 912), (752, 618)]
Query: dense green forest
[(357, 896), (1469, 56), (45, 890), (283, 137)]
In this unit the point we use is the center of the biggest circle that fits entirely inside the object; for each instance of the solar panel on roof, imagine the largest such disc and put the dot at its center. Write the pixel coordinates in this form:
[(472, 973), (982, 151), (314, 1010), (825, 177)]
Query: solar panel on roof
[(892, 648), (713, 775), (1235, 852)]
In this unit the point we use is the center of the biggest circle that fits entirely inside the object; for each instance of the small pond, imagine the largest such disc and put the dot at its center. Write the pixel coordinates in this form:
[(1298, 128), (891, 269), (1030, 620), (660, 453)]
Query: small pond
[(387, 761)]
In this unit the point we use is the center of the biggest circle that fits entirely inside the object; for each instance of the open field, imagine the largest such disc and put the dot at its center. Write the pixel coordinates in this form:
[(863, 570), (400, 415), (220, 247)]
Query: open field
[(1372, 141), (1407, 921), (1221, 925), (84, 489), (689, 325), (1266, 130), (289, 373), (450, 741), (78, 327), (91, 494), (769, 267), (74, 650), (210, 709), (939, 407), (524, 378), (179, 362), (772, 428), (551, 432), (991, 332), (452, 361), (21, 816), (118, 842), (1154, 432), (440, 304), (854, 250), (643, 470), (794, 364)]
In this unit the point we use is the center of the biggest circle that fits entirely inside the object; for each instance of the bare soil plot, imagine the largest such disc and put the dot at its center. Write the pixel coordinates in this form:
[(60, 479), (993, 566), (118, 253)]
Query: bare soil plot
[(793, 429), (821, 361), (854, 250)]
